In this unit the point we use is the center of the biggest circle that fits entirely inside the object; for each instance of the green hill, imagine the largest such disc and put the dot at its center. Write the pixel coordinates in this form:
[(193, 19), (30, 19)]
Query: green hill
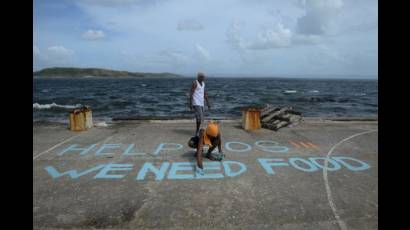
[(95, 72)]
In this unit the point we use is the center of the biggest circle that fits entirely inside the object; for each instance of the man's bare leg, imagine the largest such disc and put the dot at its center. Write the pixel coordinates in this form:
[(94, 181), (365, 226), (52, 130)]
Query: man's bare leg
[(198, 124), (199, 159), (208, 154), (199, 152)]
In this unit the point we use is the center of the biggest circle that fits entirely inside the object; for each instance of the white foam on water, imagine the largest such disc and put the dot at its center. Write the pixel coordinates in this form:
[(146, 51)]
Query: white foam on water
[(290, 91), (101, 124), (49, 106), (314, 91), (143, 85)]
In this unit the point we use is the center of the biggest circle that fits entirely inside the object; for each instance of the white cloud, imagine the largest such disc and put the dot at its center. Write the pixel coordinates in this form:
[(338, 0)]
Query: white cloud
[(303, 39), (93, 34), (202, 53), (59, 52), (178, 34), (164, 60), (275, 37), (318, 15), (358, 17), (325, 55), (233, 35), (171, 57), (52, 56), (189, 25), (170, 60)]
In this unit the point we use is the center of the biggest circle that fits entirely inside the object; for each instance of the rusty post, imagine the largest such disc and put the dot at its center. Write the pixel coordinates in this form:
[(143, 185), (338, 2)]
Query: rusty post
[(81, 119), (251, 118)]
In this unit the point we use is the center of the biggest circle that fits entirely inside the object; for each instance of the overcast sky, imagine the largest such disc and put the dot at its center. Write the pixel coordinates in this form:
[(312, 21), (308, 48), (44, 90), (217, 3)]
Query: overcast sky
[(218, 37)]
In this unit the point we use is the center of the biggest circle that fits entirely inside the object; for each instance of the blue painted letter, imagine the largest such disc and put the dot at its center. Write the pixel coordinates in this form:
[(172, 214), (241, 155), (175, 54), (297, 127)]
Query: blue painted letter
[(341, 160), (73, 148), (210, 166), (311, 168), (228, 170), (181, 166), (107, 146), (159, 173), (161, 147), (128, 150), (274, 148), (72, 173), (336, 166), (228, 146), (267, 163), (103, 174)]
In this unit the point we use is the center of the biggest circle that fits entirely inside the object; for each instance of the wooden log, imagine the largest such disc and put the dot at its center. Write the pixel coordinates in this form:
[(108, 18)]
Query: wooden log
[(267, 111), (295, 119), (293, 124), (294, 112), (275, 122), (276, 118), (272, 115), (267, 107), (277, 126), (283, 116), (268, 126), (281, 124), (290, 118)]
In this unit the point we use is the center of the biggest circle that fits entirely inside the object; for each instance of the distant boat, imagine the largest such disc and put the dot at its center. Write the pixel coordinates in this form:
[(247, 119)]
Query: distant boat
[(289, 91)]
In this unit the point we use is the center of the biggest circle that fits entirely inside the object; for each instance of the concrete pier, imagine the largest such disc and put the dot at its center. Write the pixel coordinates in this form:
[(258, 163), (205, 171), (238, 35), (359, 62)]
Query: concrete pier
[(321, 174)]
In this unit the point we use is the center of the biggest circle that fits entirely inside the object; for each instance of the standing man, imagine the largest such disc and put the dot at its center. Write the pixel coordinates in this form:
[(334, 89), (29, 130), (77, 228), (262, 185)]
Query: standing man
[(196, 100)]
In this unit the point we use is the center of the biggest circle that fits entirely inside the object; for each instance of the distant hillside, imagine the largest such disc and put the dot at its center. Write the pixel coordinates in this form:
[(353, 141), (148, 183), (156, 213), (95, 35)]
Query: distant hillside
[(94, 72)]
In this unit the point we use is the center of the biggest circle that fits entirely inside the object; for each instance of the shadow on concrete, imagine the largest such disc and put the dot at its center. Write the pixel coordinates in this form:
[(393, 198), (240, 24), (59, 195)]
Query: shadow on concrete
[(190, 154), (187, 133), (238, 126)]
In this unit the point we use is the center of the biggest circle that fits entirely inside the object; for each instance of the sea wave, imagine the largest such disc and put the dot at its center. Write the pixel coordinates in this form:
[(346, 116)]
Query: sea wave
[(128, 97), (54, 105)]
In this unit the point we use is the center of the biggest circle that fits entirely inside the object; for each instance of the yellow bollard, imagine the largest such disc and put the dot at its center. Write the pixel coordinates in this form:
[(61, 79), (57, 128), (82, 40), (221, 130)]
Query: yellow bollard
[(81, 119), (251, 118)]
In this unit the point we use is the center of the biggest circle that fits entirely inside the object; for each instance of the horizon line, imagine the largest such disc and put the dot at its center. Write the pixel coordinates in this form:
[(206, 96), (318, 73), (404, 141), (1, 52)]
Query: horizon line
[(242, 75)]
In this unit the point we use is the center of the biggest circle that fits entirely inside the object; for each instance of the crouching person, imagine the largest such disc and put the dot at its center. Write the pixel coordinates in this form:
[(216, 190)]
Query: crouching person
[(211, 137)]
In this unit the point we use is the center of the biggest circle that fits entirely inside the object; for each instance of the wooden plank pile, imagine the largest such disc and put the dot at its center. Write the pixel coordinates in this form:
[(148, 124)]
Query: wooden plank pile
[(275, 118)]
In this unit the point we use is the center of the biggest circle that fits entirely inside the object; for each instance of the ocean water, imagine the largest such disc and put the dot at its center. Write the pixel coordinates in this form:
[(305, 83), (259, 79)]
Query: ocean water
[(111, 98)]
